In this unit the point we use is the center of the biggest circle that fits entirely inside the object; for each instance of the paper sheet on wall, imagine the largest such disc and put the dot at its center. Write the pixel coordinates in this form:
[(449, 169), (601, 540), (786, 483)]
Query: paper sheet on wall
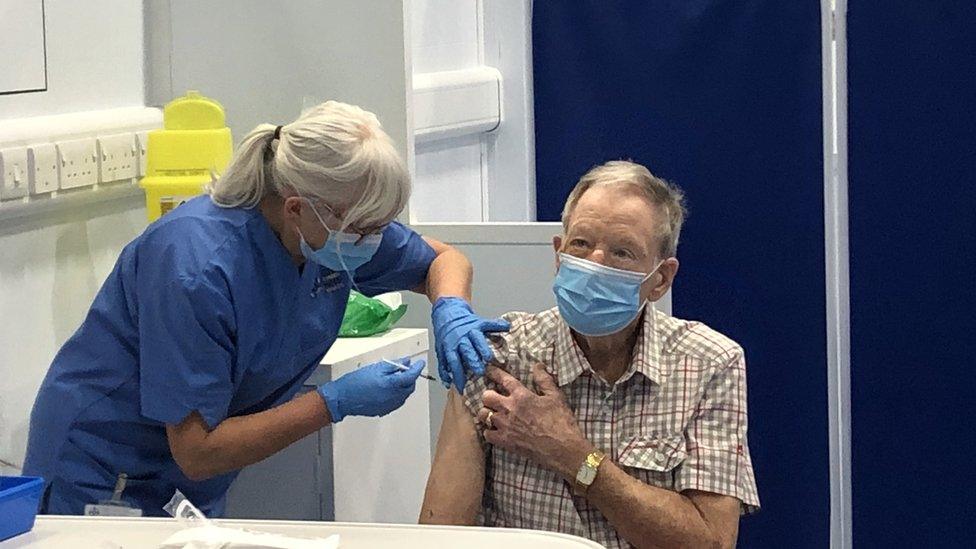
[(22, 65)]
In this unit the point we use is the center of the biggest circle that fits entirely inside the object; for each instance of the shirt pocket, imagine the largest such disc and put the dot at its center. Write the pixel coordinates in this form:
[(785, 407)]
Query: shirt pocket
[(653, 459)]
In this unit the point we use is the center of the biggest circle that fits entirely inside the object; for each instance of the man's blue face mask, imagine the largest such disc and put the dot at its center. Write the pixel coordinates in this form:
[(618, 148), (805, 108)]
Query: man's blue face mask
[(596, 300), (341, 251)]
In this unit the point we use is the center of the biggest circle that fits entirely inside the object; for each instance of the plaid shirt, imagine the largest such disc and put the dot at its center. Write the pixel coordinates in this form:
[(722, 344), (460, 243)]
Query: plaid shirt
[(676, 419)]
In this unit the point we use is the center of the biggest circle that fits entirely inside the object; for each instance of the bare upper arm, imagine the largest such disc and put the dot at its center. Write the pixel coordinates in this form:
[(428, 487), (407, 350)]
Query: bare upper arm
[(439, 248), (457, 476), (720, 513), (185, 441)]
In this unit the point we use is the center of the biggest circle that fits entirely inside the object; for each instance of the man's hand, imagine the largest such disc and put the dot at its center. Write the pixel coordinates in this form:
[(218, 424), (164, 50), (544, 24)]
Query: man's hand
[(538, 425)]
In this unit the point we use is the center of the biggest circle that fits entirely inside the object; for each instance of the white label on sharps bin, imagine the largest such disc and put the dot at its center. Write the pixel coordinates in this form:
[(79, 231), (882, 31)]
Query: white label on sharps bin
[(105, 510), (168, 203)]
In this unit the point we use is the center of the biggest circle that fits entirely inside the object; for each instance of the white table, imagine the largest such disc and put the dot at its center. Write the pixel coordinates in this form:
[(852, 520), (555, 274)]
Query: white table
[(361, 470), (58, 532), (380, 465)]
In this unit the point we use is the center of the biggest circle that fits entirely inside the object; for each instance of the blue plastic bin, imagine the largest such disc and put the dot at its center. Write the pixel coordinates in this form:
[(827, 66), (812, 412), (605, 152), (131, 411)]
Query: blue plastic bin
[(19, 499)]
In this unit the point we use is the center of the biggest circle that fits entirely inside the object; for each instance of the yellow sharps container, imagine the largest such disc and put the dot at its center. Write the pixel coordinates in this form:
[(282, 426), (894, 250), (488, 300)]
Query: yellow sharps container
[(193, 144)]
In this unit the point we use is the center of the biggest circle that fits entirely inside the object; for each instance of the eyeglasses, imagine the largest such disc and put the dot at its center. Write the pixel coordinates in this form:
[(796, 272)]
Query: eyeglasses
[(363, 232)]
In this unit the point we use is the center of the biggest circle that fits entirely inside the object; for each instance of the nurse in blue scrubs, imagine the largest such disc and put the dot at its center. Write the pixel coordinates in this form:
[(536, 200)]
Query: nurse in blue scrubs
[(189, 363)]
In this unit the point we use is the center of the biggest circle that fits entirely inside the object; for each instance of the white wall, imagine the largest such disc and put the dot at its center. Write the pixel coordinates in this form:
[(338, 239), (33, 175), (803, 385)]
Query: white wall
[(510, 151), (489, 177), (445, 35), (264, 60), (52, 264), (94, 59)]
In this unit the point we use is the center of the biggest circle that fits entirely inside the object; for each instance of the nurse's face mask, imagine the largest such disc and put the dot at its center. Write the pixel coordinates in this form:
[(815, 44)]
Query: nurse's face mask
[(596, 300), (341, 251)]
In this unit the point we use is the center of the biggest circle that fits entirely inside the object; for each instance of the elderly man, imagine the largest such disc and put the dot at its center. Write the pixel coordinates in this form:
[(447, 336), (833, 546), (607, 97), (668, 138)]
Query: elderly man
[(604, 418)]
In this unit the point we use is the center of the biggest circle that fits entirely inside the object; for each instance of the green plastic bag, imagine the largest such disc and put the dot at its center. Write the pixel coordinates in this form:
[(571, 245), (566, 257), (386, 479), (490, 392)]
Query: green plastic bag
[(366, 316)]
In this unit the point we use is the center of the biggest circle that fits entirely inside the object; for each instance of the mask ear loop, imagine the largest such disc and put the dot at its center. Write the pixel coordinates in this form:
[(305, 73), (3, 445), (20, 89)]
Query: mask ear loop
[(654, 270), (342, 261), (655, 347), (648, 301), (349, 274)]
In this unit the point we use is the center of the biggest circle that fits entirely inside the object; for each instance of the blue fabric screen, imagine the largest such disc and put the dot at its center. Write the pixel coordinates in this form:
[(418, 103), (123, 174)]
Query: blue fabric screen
[(723, 98), (912, 139)]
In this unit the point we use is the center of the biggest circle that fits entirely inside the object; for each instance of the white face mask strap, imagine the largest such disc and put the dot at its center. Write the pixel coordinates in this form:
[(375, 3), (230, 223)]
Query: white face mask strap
[(345, 269), (311, 205), (342, 260), (595, 267), (654, 270)]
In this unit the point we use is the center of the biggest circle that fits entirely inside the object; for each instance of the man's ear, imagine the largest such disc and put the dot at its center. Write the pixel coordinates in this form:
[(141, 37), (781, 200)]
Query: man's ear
[(557, 245), (663, 278)]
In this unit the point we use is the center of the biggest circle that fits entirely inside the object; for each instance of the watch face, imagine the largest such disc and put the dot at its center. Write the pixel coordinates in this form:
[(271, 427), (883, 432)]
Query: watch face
[(587, 475)]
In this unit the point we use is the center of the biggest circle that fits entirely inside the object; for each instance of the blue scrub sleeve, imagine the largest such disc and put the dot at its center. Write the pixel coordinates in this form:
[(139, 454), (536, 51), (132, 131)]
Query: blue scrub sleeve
[(401, 263), (186, 354)]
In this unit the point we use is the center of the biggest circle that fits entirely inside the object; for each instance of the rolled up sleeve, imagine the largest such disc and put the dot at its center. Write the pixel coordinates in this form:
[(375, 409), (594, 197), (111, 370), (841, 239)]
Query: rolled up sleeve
[(187, 350), (401, 263), (718, 458)]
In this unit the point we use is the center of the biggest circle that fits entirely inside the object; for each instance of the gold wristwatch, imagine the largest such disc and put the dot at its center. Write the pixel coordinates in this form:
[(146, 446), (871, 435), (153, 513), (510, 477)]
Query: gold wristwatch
[(587, 472)]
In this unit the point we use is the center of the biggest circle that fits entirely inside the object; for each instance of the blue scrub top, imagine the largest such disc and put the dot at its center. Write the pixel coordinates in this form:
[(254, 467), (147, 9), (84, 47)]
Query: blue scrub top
[(204, 311)]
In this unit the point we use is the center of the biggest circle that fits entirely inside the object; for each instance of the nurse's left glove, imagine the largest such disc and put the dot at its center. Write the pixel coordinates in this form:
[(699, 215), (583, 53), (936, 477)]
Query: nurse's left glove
[(459, 338), (373, 390)]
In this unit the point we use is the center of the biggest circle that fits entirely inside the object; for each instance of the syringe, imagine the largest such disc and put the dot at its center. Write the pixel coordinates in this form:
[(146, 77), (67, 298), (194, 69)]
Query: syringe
[(403, 367)]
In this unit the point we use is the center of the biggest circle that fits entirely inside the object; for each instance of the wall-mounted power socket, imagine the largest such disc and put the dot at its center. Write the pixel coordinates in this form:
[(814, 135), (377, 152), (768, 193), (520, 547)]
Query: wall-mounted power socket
[(13, 172), (43, 165), (77, 162), (142, 149), (118, 157)]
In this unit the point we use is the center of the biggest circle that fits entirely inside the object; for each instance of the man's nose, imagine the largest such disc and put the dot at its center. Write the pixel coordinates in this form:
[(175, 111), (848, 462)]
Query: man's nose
[(597, 256)]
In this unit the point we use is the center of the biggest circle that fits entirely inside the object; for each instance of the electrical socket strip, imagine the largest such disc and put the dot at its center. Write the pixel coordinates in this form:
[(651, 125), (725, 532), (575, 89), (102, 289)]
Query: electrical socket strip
[(14, 173), (77, 163), (118, 157)]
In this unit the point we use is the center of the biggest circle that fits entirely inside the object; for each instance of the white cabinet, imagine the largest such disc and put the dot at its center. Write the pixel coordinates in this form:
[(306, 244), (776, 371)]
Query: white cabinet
[(361, 470)]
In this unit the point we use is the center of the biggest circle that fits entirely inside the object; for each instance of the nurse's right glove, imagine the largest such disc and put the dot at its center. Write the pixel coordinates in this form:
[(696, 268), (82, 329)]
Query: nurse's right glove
[(373, 390)]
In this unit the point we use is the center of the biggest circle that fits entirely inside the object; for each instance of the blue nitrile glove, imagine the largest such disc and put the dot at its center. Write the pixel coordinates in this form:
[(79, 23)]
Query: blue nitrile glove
[(373, 390), (459, 336)]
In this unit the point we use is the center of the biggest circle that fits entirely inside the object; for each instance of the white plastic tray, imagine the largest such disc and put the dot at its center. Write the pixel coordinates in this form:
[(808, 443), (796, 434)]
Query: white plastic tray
[(138, 533)]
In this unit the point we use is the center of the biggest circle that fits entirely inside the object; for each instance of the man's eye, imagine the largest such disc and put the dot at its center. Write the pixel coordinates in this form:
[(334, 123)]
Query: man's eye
[(624, 254), (580, 243)]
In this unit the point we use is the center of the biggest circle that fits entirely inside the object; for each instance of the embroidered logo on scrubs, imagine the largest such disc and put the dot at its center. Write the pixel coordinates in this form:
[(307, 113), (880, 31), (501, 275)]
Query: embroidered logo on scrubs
[(330, 283)]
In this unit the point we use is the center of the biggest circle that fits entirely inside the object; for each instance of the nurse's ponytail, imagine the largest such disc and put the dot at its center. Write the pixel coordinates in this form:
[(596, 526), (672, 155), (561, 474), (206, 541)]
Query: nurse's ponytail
[(246, 180)]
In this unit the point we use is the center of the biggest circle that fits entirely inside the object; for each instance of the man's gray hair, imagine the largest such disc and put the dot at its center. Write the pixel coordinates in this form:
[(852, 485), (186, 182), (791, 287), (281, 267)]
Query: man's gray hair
[(666, 196)]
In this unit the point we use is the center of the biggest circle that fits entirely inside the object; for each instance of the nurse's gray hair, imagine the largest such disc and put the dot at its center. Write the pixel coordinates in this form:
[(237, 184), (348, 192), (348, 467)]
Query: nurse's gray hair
[(334, 152), (666, 196)]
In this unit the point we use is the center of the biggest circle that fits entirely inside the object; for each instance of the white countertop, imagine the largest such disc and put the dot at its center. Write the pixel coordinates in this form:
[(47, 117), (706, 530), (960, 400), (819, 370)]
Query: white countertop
[(130, 533)]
